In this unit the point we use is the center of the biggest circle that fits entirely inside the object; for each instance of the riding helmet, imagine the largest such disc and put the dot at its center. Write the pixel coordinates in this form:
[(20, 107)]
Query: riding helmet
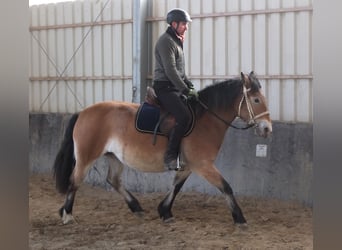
[(177, 15)]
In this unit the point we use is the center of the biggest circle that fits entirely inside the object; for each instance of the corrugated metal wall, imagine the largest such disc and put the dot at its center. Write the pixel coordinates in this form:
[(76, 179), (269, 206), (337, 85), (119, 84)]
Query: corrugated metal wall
[(81, 53), (271, 37)]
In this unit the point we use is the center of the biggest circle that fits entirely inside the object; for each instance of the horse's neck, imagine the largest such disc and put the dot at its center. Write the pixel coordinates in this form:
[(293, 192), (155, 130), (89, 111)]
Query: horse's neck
[(213, 128)]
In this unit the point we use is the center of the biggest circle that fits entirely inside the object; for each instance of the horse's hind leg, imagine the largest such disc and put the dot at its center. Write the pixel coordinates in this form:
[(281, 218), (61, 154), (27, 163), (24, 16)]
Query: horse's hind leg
[(66, 210), (164, 207), (76, 179), (114, 179), (211, 174)]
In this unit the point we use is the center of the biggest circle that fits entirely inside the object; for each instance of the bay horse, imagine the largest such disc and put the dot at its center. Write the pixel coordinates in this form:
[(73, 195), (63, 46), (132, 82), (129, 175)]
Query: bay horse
[(108, 128)]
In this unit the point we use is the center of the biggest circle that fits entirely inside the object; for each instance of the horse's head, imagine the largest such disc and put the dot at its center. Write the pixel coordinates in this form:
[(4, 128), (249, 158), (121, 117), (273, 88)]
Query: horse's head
[(252, 106)]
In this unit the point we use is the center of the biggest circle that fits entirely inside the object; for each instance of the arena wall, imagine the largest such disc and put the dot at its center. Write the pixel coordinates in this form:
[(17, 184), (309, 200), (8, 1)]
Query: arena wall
[(278, 167)]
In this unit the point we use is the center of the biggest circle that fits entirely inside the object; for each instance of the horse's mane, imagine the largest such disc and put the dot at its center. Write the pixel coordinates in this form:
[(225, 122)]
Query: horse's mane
[(221, 95)]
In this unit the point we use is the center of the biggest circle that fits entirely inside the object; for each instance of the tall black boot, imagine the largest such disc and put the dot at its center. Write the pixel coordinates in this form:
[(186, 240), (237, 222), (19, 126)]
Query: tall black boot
[(172, 151)]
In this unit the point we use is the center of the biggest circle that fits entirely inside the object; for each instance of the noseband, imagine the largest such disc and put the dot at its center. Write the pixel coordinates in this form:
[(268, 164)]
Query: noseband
[(252, 116)]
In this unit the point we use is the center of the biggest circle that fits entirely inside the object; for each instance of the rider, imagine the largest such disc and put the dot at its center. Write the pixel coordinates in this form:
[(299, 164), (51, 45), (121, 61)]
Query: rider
[(170, 82)]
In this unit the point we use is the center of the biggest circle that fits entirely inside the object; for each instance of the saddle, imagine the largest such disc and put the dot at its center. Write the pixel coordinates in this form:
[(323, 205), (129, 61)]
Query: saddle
[(154, 119)]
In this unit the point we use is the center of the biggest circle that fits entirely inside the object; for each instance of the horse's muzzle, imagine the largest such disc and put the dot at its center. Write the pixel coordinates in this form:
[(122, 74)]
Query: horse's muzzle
[(263, 128)]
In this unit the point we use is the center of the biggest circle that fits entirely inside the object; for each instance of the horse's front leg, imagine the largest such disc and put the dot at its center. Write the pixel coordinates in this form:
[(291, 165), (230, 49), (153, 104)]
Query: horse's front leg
[(211, 174), (165, 206)]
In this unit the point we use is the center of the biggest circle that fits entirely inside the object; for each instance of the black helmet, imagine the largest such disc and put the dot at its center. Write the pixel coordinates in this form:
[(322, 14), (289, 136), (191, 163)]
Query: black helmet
[(177, 15)]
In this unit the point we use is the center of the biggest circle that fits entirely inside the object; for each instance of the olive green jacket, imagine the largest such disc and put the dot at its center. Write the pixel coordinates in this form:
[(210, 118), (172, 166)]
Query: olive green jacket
[(169, 62)]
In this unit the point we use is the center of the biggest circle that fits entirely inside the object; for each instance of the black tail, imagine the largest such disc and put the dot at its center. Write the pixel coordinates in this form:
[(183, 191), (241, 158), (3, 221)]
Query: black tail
[(65, 161)]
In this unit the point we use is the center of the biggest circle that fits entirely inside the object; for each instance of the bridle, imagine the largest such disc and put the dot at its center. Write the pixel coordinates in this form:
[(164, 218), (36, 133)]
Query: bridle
[(252, 116)]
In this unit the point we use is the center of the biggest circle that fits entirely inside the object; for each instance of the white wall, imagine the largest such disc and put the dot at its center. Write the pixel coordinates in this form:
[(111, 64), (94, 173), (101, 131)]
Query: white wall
[(87, 46), (271, 37)]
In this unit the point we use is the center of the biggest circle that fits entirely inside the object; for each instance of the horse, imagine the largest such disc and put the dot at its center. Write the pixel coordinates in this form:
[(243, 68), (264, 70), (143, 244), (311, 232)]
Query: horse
[(108, 129)]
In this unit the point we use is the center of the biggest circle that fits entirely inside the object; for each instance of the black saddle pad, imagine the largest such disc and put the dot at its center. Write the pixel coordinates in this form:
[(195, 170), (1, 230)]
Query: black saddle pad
[(148, 116)]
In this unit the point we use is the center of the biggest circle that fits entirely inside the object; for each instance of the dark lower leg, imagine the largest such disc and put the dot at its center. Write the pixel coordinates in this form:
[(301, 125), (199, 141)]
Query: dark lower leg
[(165, 206), (211, 174), (113, 178), (236, 210), (69, 201), (133, 203)]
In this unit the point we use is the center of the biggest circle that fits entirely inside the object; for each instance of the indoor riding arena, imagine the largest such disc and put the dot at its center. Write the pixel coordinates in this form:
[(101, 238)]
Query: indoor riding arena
[(86, 52)]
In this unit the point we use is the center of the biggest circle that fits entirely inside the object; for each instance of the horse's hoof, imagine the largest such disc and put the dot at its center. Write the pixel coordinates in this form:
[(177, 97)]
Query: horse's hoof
[(180, 168), (67, 218), (169, 220), (241, 226), (139, 214)]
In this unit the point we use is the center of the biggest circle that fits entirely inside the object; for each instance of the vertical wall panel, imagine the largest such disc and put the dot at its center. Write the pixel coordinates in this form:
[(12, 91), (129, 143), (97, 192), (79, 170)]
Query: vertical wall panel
[(88, 54), (60, 59), (288, 62), (195, 41), (274, 57), (127, 13), (43, 69), (107, 54), (170, 4), (208, 43), (233, 39), (52, 64), (186, 5), (79, 56), (246, 37), (34, 65), (220, 40), (69, 62), (117, 50), (259, 45), (97, 52), (303, 64)]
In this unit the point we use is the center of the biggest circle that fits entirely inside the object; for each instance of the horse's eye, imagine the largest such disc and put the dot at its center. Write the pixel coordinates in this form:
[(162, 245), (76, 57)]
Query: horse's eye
[(256, 100)]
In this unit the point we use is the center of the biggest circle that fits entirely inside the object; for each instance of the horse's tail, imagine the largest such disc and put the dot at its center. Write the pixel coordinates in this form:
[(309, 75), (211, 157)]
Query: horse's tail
[(65, 161)]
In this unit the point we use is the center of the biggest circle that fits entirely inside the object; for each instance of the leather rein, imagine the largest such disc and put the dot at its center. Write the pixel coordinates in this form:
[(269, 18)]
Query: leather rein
[(252, 116)]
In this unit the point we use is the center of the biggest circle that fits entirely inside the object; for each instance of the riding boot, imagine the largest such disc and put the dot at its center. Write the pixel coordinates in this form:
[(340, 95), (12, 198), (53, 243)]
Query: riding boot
[(171, 154)]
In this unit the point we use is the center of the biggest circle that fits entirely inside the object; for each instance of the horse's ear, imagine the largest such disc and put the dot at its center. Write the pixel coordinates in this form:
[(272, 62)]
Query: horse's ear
[(255, 84), (242, 76), (245, 80)]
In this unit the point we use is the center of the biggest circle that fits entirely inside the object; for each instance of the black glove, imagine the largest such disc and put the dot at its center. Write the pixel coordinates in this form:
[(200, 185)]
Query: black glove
[(188, 83)]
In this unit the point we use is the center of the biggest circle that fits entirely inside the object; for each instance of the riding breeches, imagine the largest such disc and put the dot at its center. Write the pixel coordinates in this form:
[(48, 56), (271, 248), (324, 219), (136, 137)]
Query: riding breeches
[(172, 102)]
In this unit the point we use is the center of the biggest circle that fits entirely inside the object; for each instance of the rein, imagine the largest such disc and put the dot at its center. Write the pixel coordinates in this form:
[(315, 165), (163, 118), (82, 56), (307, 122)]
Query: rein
[(229, 124), (252, 116)]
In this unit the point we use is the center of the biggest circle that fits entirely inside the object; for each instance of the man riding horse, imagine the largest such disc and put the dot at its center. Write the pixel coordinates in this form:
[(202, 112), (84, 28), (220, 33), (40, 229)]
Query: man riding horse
[(171, 84)]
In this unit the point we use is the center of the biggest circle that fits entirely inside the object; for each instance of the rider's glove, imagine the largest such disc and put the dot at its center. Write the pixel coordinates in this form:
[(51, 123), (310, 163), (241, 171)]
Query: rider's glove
[(192, 94)]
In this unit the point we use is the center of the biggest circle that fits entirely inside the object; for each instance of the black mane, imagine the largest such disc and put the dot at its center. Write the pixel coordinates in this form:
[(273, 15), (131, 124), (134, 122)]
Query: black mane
[(221, 95)]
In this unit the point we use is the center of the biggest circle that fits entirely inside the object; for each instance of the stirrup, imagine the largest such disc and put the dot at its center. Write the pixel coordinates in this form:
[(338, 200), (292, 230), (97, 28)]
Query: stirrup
[(179, 167), (180, 164)]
